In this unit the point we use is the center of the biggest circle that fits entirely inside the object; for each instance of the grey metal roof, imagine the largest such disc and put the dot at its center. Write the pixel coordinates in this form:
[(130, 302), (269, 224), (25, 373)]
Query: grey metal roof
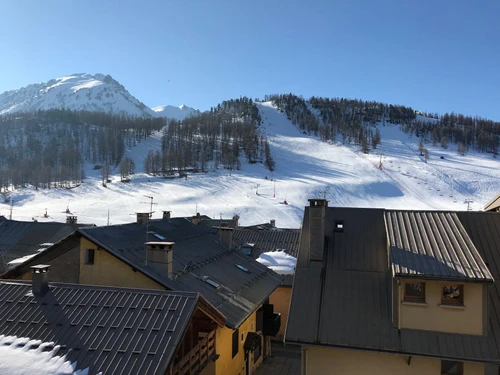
[(430, 244), (268, 240), (196, 254), (209, 223), (21, 238), (109, 330), (349, 296), (493, 205)]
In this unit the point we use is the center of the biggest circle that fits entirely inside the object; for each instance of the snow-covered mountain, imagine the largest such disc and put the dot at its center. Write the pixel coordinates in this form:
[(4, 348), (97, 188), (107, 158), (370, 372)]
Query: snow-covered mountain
[(306, 167), (179, 113), (81, 91)]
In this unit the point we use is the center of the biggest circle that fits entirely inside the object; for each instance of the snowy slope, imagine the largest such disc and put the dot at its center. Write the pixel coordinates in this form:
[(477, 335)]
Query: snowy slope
[(305, 168), (97, 92), (178, 113)]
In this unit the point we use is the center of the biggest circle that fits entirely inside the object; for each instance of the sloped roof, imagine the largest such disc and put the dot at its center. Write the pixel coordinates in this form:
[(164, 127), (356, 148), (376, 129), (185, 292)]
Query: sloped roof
[(349, 296), (209, 223), (493, 205), (197, 254), (21, 238), (268, 240), (432, 244), (109, 330)]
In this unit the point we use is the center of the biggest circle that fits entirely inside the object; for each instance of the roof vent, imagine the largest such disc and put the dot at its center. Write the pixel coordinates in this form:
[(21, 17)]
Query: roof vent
[(71, 219), (166, 215), (273, 223), (40, 279)]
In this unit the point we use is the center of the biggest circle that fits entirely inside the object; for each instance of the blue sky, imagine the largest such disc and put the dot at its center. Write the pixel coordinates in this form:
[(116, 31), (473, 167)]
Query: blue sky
[(435, 56)]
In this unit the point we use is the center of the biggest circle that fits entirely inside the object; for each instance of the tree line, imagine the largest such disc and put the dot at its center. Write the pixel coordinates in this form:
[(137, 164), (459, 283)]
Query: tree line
[(47, 149)]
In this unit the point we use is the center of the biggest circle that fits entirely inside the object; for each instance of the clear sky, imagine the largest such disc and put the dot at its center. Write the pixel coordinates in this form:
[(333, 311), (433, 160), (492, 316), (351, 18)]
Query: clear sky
[(433, 55)]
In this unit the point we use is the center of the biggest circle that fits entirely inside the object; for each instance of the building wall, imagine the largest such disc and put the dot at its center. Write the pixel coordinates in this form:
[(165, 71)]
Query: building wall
[(280, 298), (339, 361), (436, 317), (226, 365), (110, 271)]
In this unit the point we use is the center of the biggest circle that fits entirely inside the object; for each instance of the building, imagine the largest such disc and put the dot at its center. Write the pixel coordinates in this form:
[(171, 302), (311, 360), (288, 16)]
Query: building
[(493, 205), (174, 254), (264, 239), (391, 292), (20, 240), (107, 330)]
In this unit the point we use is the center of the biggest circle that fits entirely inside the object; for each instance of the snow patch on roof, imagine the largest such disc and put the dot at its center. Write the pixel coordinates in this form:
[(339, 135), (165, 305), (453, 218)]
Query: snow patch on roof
[(22, 356), (279, 261)]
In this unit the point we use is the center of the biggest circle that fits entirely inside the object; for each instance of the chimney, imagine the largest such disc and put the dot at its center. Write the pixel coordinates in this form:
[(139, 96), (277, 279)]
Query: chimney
[(273, 223), (226, 236), (71, 219), (40, 279), (196, 219), (224, 224), (236, 218), (166, 215), (142, 217), (317, 211), (160, 254)]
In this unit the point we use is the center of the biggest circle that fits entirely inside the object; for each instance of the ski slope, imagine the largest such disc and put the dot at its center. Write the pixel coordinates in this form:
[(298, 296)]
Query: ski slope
[(305, 168)]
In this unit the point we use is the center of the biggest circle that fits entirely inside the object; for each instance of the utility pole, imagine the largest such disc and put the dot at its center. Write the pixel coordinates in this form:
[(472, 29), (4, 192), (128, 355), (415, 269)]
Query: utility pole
[(468, 202)]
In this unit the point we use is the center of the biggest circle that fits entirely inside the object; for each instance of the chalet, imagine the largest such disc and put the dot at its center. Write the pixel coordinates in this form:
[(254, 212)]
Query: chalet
[(174, 254), (108, 330), (390, 292), (20, 240)]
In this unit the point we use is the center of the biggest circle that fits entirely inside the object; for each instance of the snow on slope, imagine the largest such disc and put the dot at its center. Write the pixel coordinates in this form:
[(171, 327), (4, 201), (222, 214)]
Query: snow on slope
[(178, 113), (97, 92), (305, 168)]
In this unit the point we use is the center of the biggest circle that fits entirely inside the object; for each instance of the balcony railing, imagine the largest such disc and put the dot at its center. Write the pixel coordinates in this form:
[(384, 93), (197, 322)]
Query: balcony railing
[(198, 357)]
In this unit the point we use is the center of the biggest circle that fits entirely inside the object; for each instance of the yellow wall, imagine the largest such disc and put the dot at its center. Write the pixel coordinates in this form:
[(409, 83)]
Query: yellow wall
[(226, 365), (432, 316), (110, 271), (281, 301), (338, 361)]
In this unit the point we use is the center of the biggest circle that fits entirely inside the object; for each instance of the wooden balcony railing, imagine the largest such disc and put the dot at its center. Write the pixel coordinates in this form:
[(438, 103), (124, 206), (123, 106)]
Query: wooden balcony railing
[(198, 357)]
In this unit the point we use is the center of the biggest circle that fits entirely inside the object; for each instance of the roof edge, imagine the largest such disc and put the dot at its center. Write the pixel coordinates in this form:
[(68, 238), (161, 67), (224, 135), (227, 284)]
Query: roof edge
[(444, 278)]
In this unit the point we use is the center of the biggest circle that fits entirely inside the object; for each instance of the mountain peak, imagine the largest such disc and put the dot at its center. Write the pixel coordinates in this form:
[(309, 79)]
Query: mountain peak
[(79, 91)]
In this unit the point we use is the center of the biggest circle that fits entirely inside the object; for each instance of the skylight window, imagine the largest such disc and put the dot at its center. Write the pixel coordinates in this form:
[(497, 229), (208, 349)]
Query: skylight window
[(211, 282), (244, 269), (159, 236), (214, 230)]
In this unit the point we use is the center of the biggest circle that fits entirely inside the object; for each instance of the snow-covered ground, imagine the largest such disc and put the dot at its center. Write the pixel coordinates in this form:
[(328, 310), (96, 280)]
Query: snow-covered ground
[(305, 168), (179, 113)]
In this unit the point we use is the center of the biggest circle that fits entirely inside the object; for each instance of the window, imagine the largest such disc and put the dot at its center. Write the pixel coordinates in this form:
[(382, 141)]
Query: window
[(236, 343), (339, 226), (414, 292), (452, 368), (453, 295), (89, 256)]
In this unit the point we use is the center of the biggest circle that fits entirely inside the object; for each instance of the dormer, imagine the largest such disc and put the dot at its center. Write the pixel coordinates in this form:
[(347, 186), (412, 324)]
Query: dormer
[(439, 278)]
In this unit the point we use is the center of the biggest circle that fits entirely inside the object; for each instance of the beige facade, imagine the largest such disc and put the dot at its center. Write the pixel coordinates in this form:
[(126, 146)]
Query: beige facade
[(281, 301), (434, 316), (330, 361)]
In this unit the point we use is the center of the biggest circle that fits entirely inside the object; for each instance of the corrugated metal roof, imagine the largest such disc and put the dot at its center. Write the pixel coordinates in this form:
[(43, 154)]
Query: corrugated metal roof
[(109, 330), (196, 254), (349, 296), (268, 240), (209, 223), (429, 244), (493, 205)]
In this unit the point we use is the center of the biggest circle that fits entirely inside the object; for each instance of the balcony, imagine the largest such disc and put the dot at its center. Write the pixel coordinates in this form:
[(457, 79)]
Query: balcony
[(198, 357)]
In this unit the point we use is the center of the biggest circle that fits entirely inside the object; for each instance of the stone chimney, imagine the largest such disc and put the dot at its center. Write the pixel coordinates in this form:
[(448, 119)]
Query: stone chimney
[(273, 223), (226, 236), (160, 254), (236, 218), (317, 211), (166, 215), (40, 279), (71, 219), (142, 217), (196, 219)]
